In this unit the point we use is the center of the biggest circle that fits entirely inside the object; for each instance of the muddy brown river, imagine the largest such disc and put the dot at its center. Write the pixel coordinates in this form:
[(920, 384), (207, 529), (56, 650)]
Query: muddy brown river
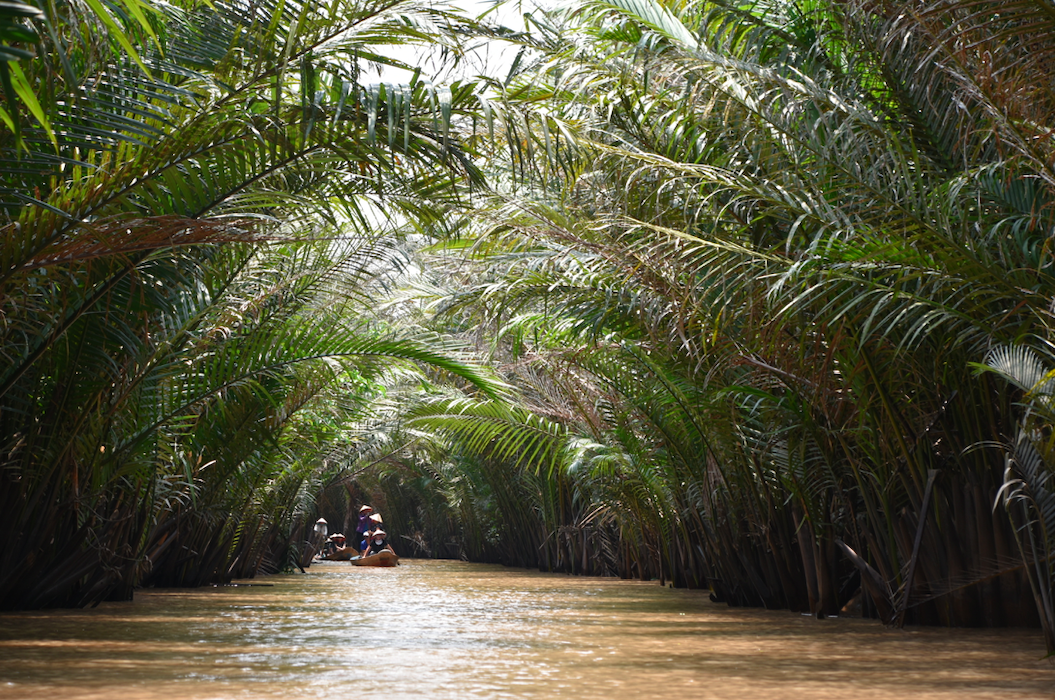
[(441, 629)]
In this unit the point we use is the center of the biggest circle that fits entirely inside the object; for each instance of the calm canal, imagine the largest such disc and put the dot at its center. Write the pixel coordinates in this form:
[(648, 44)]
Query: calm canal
[(440, 629)]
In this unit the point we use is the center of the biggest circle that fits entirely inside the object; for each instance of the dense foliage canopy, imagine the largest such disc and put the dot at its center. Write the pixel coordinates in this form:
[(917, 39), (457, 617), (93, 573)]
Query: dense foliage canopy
[(754, 298)]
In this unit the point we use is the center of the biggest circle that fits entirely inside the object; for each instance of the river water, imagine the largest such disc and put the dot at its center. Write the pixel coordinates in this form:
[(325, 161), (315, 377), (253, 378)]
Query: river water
[(442, 629)]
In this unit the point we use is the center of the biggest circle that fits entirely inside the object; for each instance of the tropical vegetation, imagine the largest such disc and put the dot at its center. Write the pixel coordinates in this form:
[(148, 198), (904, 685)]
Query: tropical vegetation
[(196, 204), (754, 298), (774, 282)]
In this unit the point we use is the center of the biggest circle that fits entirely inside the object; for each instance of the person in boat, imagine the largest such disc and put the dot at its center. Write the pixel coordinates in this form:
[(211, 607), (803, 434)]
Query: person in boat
[(329, 547), (378, 543), (364, 524), (333, 543), (375, 523)]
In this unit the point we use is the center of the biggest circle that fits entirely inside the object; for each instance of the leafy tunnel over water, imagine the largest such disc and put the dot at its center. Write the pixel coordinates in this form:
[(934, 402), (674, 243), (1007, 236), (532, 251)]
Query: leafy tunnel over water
[(749, 297)]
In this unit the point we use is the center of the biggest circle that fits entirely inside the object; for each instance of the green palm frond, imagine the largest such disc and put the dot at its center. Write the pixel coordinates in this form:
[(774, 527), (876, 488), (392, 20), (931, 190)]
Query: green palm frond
[(1022, 366), (15, 30), (495, 430), (651, 13)]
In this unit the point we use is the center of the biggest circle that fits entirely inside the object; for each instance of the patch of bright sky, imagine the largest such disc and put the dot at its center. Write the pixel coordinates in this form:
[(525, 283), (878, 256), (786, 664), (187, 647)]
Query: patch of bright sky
[(487, 57), (490, 58)]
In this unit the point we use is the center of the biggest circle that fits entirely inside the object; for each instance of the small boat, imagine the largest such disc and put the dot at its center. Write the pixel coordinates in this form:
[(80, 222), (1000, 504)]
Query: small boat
[(339, 554), (385, 558)]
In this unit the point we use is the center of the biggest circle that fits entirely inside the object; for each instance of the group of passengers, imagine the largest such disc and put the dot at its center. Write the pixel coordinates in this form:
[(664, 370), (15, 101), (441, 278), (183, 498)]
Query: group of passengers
[(369, 534), (372, 537)]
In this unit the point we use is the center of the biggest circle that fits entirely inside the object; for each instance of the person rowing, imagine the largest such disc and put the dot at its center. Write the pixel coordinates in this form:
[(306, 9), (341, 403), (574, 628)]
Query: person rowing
[(378, 543), (333, 543)]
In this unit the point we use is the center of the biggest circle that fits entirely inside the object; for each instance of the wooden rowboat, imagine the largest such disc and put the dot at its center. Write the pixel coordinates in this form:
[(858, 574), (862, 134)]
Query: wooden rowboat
[(339, 554), (385, 558)]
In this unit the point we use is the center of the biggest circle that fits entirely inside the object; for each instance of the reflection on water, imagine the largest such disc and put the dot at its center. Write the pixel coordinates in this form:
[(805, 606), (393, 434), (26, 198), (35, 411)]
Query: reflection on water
[(454, 630)]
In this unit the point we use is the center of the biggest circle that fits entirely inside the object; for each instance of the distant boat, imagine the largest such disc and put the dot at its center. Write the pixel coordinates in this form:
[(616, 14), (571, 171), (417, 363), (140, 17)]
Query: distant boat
[(339, 554), (384, 558)]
